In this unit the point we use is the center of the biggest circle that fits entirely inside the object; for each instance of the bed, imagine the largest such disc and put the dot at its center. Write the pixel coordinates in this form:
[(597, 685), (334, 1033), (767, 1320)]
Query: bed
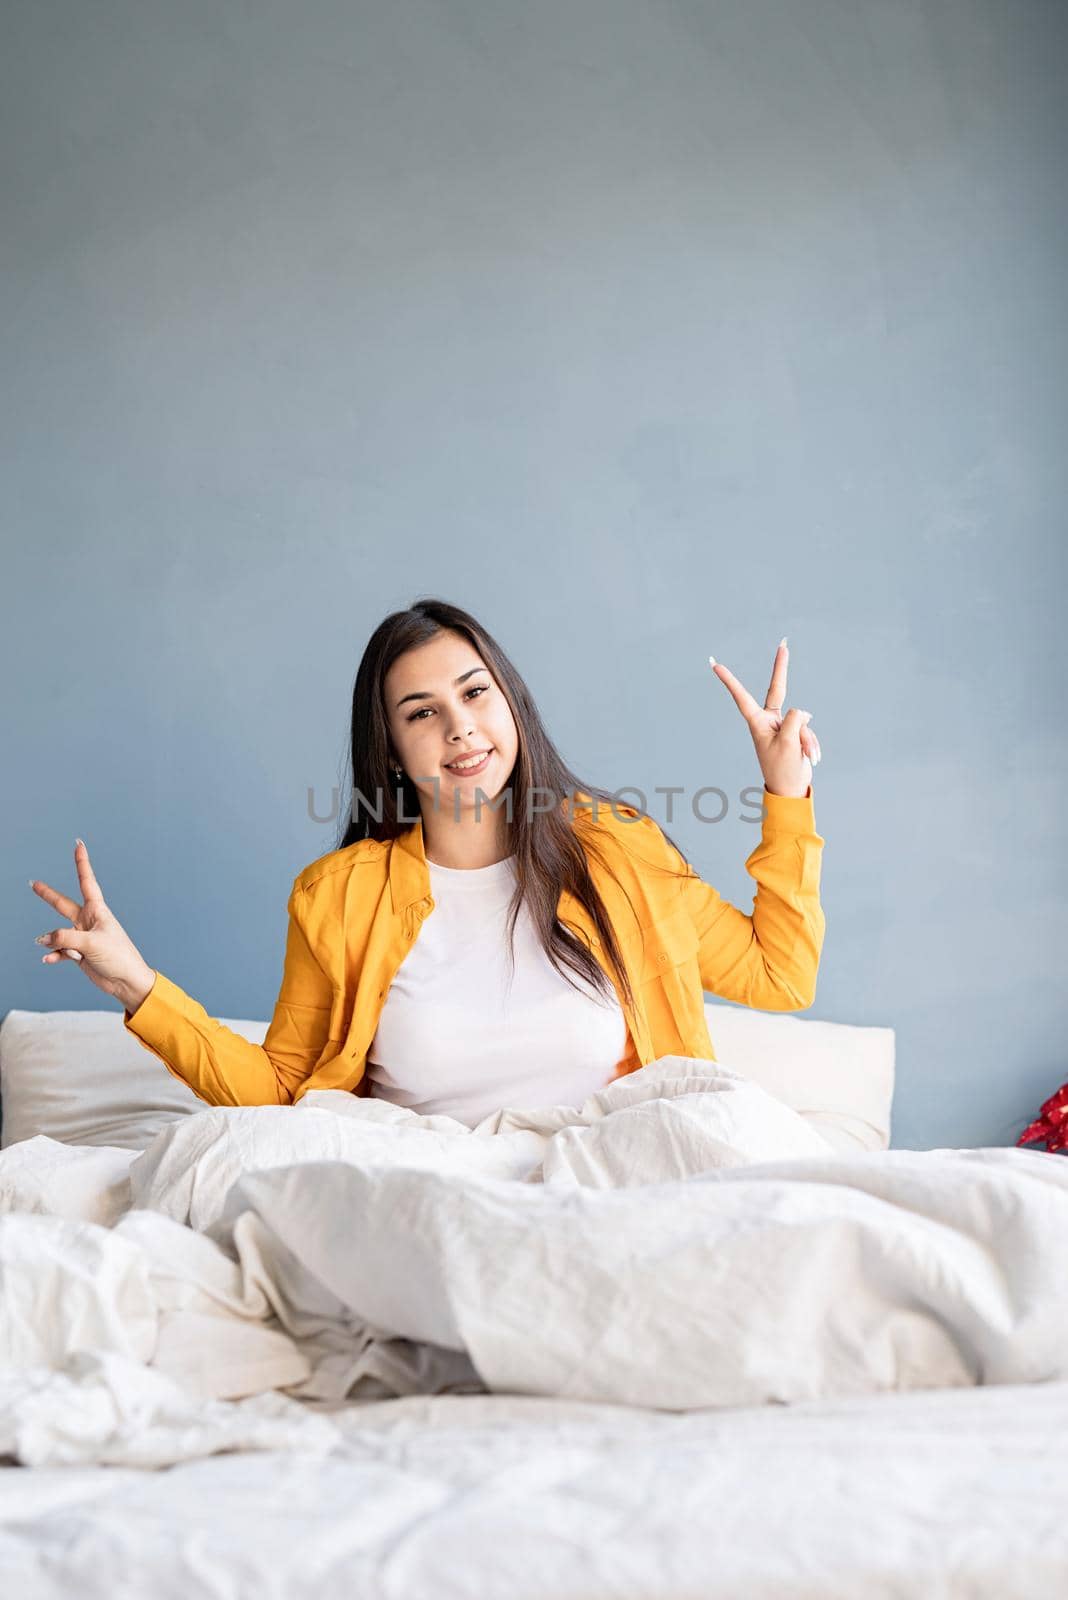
[(861, 1395)]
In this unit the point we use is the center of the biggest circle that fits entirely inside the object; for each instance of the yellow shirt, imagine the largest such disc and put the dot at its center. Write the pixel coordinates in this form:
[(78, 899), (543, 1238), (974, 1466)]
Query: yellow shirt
[(354, 914)]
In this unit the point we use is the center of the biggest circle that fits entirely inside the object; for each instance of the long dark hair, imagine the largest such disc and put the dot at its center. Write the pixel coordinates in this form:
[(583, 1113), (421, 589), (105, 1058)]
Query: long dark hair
[(551, 847)]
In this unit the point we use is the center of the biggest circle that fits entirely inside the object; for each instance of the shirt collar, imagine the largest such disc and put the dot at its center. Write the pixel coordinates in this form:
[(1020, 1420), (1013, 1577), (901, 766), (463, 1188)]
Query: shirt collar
[(409, 875)]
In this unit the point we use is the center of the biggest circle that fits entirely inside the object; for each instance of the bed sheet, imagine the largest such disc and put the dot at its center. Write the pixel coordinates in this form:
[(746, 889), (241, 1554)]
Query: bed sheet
[(940, 1493), (147, 1347)]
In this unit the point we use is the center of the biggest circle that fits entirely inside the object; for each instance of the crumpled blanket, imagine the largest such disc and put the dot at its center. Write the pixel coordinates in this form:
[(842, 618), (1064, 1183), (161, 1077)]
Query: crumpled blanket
[(681, 1241), (674, 1117)]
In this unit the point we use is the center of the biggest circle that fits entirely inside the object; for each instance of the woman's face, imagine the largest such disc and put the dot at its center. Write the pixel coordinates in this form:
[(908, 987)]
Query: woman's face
[(444, 704)]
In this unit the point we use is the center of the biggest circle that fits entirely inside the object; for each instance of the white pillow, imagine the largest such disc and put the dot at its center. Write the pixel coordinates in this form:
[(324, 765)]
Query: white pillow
[(80, 1077), (838, 1075)]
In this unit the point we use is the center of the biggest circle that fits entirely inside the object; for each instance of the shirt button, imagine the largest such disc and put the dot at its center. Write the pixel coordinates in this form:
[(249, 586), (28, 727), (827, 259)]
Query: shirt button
[(662, 959)]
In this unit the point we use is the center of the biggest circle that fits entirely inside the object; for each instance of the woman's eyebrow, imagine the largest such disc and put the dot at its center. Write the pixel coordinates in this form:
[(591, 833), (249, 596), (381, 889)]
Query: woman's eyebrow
[(422, 694)]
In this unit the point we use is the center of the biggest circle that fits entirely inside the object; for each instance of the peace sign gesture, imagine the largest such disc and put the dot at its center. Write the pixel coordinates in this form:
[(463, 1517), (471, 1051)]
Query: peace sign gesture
[(786, 747), (96, 940)]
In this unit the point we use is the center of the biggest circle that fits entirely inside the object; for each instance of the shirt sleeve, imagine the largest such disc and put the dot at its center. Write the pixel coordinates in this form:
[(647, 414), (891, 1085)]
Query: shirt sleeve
[(223, 1067), (770, 959)]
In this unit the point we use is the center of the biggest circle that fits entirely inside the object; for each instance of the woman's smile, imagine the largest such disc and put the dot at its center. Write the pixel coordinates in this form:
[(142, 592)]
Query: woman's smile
[(472, 765)]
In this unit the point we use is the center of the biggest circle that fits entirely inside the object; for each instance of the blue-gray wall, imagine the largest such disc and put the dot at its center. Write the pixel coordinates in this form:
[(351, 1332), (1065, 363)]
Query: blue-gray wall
[(641, 328)]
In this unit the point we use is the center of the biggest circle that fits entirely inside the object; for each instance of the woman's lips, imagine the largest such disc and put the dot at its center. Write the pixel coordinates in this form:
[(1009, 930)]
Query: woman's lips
[(470, 772)]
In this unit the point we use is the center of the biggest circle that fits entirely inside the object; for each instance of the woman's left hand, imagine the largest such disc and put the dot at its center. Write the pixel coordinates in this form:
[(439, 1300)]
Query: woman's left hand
[(786, 746)]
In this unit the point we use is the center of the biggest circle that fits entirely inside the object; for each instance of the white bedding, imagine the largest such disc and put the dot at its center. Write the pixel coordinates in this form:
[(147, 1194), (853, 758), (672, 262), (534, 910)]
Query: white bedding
[(682, 1242), (932, 1495)]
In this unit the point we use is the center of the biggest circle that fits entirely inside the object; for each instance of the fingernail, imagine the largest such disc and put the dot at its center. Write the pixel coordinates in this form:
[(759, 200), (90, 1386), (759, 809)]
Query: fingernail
[(42, 938), (711, 661), (783, 639), (32, 881), (77, 842)]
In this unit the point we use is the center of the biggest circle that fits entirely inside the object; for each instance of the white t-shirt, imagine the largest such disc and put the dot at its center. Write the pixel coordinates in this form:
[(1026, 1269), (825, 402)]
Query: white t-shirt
[(461, 1036)]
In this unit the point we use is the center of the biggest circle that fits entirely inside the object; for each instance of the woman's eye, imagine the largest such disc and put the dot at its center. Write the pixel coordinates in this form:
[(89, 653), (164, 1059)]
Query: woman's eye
[(477, 688)]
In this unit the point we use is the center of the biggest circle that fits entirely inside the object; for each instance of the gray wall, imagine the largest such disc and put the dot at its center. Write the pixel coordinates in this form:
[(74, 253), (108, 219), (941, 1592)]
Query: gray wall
[(641, 328)]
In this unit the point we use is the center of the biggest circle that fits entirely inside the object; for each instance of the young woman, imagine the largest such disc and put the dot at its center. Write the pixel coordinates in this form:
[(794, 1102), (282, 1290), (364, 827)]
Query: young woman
[(489, 932)]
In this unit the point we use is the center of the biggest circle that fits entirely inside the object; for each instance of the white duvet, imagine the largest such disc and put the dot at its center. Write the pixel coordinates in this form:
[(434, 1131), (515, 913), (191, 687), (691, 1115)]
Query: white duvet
[(681, 1241)]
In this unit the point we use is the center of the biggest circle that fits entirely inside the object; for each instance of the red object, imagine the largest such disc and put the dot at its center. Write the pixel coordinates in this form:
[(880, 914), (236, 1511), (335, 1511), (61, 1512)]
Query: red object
[(1051, 1124)]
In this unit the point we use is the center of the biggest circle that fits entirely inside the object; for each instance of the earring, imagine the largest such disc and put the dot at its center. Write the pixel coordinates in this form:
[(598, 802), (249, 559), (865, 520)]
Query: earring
[(397, 772)]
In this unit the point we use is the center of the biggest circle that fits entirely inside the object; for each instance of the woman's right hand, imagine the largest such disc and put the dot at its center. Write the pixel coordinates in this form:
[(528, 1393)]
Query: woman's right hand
[(97, 940)]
